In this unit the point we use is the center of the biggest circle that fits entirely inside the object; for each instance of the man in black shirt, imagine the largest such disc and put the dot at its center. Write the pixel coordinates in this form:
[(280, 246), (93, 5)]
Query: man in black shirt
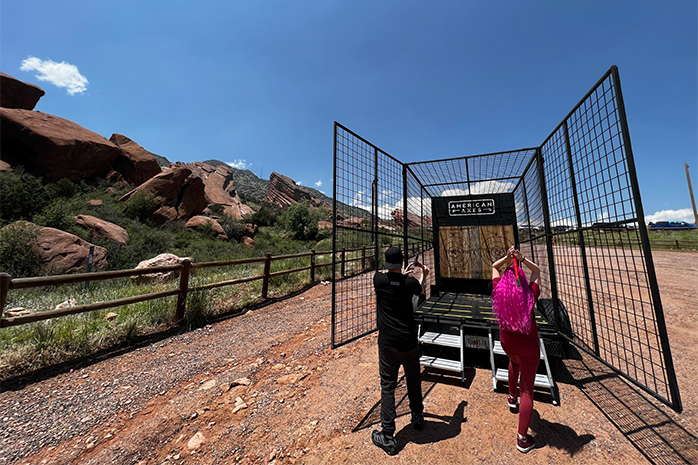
[(397, 343)]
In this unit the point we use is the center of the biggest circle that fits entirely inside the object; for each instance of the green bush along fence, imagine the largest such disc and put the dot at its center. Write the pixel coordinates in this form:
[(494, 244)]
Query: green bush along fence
[(351, 261)]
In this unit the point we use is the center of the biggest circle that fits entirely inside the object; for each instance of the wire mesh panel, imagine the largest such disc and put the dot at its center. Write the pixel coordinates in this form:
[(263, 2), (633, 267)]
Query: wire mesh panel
[(603, 267), (354, 237), (578, 215)]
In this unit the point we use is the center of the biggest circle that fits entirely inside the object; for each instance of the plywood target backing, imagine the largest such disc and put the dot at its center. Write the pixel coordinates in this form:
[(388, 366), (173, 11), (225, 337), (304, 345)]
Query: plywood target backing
[(469, 251)]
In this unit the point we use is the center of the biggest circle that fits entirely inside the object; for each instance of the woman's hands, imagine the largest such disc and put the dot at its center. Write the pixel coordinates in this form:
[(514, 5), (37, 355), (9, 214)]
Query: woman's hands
[(513, 252)]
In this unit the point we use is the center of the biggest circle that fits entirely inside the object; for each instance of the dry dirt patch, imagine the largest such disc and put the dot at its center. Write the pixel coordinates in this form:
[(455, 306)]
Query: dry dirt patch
[(265, 387)]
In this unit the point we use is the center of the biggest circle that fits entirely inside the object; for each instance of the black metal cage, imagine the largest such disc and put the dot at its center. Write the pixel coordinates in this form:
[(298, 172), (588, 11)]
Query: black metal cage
[(578, 215)]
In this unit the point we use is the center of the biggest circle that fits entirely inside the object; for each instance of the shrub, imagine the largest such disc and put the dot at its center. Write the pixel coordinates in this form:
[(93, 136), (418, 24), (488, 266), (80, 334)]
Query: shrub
[(17, 254), (21, 196), (141, 206), (57, 215), (299, 220), (62, 188), (234, 229), (265, 216)]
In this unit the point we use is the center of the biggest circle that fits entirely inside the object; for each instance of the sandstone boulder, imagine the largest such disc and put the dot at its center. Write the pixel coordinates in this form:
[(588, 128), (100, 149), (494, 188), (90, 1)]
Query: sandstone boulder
[(17, 94), (5, 166), (251, 230), (197, 221), (179, 195), (61, 252), (164, 259), (284, 192), (136, 164), (219, 188), (248, 241), (111, 231), (52, 147)]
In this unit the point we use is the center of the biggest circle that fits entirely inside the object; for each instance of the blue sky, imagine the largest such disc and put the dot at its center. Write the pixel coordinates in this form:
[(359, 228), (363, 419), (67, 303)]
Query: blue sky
[(258, 84)]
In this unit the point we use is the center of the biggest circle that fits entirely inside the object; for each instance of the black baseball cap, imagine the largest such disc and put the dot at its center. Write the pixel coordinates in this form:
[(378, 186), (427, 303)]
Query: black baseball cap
[(393, 258)]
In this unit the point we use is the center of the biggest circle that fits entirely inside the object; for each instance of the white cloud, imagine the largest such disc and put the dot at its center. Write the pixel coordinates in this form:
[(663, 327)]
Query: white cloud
[(300, 183), (484, 187), (240, 164), (60, 74), (318, 183), (684, 214)]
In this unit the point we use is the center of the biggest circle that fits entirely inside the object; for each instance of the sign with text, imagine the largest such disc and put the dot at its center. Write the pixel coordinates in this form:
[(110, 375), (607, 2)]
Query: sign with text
[(471, 207)]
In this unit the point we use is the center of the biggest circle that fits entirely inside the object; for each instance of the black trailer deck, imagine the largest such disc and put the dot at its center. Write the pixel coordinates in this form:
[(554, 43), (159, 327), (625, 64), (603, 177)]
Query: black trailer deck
[(474, 313)]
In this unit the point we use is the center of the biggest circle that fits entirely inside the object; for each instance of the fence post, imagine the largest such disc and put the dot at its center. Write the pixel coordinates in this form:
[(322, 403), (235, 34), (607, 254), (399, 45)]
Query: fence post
[(183, 289), (363, 259), (4, 287), (265, 282), (677, 244), (312, 266), (344, 251)]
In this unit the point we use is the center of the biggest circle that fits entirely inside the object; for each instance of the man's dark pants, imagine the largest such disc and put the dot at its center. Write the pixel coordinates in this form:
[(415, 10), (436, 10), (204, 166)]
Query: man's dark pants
[(389, 365)]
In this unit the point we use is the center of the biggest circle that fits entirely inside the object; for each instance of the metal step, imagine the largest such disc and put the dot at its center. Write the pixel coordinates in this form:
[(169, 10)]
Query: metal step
[(440, 339), (499, 350), (442, 363), (541, 379)]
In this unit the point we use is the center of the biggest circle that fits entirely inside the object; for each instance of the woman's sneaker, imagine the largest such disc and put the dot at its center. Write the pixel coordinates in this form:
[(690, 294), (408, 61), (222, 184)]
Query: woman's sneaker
[(387, 443), (524, 445), (512, 401)]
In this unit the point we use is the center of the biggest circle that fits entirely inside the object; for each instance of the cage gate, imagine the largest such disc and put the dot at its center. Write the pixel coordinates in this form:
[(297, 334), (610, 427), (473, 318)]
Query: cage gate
[(576, 212)]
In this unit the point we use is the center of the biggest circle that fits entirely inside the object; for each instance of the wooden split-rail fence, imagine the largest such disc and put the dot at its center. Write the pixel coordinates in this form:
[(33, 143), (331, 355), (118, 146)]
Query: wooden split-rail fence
[(363, 257)]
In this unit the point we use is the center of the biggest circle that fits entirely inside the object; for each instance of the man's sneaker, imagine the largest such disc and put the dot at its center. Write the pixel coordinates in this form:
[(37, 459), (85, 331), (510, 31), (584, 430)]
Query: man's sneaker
[(512, 401), (524, 445), (387, 443), (418, 421)]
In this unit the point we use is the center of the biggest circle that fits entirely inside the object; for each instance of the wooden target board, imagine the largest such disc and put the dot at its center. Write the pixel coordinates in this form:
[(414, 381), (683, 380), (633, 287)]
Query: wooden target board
[(471, 232), (467, 252)]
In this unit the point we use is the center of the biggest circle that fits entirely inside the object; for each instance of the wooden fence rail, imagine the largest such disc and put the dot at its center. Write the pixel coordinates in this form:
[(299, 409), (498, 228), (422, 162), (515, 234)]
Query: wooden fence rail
[(8, 284)]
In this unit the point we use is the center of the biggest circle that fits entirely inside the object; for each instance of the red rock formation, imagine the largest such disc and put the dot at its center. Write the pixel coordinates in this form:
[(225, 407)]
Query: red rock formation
[(179, 195), (111, 231), (413, 220), (219, 188), (284, 192), (196, 221), (53, 147), (17, 94), (136, 164), (61, 252), (248, 241)]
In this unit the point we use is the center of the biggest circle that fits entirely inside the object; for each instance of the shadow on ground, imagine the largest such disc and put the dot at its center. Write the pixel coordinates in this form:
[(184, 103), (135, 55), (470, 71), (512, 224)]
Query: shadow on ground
[(651, 430)]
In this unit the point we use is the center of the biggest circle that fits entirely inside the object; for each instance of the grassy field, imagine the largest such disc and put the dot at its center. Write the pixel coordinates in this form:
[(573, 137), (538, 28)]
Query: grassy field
[(681, 240), (32, 346)]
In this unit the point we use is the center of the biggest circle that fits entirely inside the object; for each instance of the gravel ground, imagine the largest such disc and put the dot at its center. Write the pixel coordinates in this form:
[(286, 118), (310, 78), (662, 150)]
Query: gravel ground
[(265, 387)]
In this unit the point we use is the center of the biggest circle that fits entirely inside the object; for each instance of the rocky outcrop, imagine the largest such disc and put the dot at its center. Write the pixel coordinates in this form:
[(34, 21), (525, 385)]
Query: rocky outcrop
[(110, 231), (204, 221), (219, 188), (248, 241), (413, 220), (60, 252), (5, 166), (52, 147), (180, 196), (17, 94), (136, 164), (164, 259), (284, 192)]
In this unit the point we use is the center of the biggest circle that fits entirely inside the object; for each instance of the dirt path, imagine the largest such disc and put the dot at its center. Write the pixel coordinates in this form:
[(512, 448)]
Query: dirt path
[(266, 388)]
